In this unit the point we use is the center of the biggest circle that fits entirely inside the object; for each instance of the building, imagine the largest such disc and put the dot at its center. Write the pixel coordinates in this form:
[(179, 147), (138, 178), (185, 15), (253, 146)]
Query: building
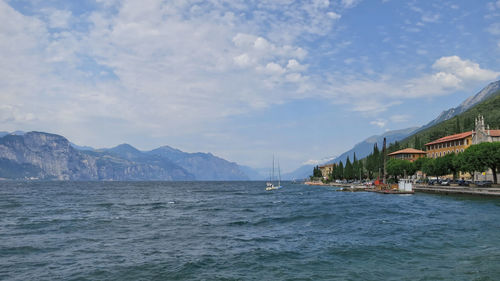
[(450, 144), (483, 133), (326, 170), (459, 142), (409, 154)]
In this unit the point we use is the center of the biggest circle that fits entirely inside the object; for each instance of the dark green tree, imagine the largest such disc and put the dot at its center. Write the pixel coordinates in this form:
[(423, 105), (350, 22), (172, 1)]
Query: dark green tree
[(340, 171), (348, 170), (428, 167), (420, 162), (483, 156), (317, 172), (398, 168)]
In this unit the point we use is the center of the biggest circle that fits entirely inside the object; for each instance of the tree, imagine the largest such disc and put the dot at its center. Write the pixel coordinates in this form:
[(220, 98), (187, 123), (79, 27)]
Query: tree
[(355, 167), (373, 161), (428, 167), (441, 166), (317, 172), (463, 164), (340, 171), (447, 165), (482, 156), (398, 167), (361, 170), (348, 170), (420, 162)]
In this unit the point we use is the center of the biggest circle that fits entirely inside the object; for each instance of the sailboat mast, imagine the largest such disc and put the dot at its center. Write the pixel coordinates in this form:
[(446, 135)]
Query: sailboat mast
[(272, 178), (279, 173)]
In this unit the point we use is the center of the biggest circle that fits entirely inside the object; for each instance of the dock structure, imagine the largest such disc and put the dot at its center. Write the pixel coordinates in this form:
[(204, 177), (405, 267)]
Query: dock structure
[(459, 190)]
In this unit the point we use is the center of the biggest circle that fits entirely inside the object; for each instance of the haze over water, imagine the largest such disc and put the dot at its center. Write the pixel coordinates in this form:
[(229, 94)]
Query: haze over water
[(236, 230)]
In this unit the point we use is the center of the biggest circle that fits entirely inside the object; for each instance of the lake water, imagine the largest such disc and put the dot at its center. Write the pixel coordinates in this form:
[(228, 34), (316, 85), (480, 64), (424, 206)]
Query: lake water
[(239, 231)]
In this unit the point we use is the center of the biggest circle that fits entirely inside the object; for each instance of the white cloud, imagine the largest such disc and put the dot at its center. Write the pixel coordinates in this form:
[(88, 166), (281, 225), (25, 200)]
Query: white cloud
[(187, 64), (334, 15), (494, 29), (59, 18), (379, 122), (400, 118), (463, 70), (374, 96), (274, 68), (350, 3), (432, 18), (422, 52), (243, 60), (294, 65)]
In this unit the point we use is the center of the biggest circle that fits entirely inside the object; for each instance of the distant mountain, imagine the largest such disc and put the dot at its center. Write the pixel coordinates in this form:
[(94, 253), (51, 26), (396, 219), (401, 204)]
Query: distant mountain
[(43, 156), (365, 147), (303, 172), (81, 147), (484, 94), (39, 155), (489, 108), (252, 173), (18, 133), (124, 150), (361, 149), (204, 166)]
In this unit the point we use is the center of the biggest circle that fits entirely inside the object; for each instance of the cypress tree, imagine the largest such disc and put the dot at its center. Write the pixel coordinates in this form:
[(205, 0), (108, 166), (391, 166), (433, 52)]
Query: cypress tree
[(340, 172), (355, 167), (348, 171)]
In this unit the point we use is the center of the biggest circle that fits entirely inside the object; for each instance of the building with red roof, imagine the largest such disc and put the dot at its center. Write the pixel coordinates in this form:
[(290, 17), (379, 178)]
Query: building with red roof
[(450, 144), (410, 154)]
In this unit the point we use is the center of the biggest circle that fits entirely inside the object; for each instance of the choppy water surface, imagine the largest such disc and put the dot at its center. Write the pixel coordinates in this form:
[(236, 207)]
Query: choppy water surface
[(237, 230)]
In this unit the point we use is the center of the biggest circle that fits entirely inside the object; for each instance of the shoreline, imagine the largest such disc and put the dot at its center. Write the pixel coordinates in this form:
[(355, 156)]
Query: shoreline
[(443, 190)]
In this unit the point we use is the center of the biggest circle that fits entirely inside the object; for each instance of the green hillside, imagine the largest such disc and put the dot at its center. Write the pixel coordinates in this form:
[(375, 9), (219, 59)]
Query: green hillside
[(489, 108)]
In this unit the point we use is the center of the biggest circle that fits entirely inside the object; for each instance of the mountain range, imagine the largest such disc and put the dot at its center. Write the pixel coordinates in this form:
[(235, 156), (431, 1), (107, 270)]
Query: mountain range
[(364, 148), (39, 155)]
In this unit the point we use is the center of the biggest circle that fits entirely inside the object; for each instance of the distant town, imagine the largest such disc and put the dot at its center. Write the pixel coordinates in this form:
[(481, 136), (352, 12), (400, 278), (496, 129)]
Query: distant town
[(464, 158)]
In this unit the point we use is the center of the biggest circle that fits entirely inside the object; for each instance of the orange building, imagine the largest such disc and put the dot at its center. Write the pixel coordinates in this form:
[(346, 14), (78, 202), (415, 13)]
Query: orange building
[(409, 154), (449, 144)]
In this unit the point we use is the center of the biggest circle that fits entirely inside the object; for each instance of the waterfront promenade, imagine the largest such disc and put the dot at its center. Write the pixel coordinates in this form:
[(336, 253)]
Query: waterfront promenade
[(437, 189), (460, 190)]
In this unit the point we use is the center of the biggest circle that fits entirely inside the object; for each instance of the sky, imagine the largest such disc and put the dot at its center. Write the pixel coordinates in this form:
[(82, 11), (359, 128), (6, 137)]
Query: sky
[(304, 80)]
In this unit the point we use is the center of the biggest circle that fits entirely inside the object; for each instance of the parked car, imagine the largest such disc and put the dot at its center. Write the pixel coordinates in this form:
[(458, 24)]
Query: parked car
[(463, 182), (483, 183), (445, 182)]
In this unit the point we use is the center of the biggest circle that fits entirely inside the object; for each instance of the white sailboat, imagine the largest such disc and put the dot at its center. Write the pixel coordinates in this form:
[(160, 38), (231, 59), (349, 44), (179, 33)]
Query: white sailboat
[(270, 184)]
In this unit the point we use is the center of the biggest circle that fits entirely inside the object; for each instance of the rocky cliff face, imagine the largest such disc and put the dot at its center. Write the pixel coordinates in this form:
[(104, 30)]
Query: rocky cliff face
[(204, 166), (51, 154), (48, 156)]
